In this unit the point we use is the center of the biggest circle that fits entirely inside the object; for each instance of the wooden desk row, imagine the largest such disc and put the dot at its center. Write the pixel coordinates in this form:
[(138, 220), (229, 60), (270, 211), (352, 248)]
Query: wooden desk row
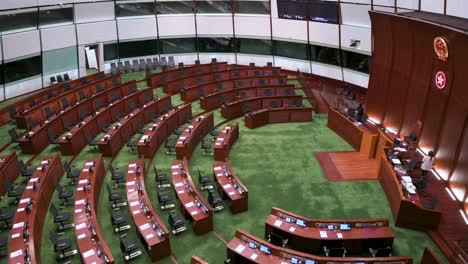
[(56, 104), (310, 235), (194, 205), (150, 142), (278, 115), (37, 139), (193, 134), (9, 170), (226, 138), (195, 92), (72, 142), (26, 233), (197, 260), (91, 244), (212, 101), (182, 83), (158, 79), (362, 138), (239, 251), (407, 211), (151, 230), (42, 95), (235, 109), (119, 134), (231, 187)]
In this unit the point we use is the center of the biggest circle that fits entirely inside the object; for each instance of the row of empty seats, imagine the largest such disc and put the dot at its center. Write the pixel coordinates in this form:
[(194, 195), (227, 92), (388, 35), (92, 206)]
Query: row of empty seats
[(142, 65)]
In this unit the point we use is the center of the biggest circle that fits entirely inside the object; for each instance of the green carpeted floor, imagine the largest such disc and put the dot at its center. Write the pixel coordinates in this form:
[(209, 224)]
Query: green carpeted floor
[(277, 165)]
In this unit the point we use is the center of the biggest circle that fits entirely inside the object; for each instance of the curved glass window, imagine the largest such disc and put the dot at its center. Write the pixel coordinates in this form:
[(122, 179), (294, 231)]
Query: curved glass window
[(125, 9), (326, 55), (22, 69), (174, 7), (216, 45), (13, 21), (139, 48), (356, 61), (111, 51), (177, 45), (254, 46), (1, 74), (251, 7), (49, 16), (213, 6), (291, 50)]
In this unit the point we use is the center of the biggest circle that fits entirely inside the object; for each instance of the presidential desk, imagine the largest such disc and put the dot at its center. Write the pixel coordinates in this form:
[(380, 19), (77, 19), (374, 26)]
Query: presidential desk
[(72, 142), (310, 235), (37, 139), (158, 79), (182, 83), (231, 187), (226, 138), (9, 170), (247, 248), (278, 115), (26, 232), (193, 134), (120, 133), (212, 101), (152, 232), (8, 112), (362, 137), (91, 243), (162, 128), (201, 90), (194, 205), (233, 110)]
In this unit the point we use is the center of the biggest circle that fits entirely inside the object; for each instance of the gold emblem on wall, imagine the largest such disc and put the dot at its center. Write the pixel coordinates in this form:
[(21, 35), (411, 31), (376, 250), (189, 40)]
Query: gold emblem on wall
[(441, 48)]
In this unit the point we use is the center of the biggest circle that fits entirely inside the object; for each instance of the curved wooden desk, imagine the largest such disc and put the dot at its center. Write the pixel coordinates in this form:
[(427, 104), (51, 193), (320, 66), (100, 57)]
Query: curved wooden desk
[(315, 233), (72, 142), (197, 260), (211, 101), (118, 135), (26, 233), (91, 244), (238, 251), (37, 139), (278, 115), (150, 142), (158, 79), (188, 195), (233, 110), (151, 230), (42, 95), (9, 169), (37, 112), (226, 138), (191, 136), (232, 188), (179, 84), (193, 93)]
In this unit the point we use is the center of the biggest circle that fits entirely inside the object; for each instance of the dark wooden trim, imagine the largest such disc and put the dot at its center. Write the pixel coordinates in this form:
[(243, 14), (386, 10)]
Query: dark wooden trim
[(445, 7), (458, 151)]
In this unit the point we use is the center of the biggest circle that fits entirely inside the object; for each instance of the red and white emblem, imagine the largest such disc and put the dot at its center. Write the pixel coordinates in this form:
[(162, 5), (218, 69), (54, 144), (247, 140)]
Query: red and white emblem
[(440, 79), (441, 48)]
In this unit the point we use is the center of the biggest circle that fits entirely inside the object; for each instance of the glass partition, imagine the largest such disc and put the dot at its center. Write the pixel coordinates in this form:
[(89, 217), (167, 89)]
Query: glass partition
[(177, 45), (356, 61), (13, 20), (254, 46), (291, 50), (21, 69), (213, 6), (174, 7), (326, 55), (54, 15), (59, 60), (251, 7), (111, 51), (132, 8), (216, 45), (139, 48)]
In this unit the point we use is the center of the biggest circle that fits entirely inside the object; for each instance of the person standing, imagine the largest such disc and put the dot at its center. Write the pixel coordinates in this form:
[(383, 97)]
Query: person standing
[(427, 163)]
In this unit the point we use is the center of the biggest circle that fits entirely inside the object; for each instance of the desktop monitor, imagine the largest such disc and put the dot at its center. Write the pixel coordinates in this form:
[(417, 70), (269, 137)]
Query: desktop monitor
[(308, 261), (345, 227), (300, 222), (294, 260), (288, 220), (265, 249), (252, 245)]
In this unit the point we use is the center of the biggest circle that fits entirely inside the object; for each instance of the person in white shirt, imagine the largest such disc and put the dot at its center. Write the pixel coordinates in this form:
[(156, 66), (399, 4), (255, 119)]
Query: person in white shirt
[(427, 163)]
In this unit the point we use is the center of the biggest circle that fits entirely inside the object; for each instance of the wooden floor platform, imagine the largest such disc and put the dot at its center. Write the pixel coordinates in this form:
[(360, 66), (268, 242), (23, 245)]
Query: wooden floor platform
[(347, 166)]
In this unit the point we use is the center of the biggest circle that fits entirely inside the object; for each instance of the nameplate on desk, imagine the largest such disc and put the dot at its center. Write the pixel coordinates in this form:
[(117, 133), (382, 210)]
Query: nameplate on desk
[(131, 183), (131, 190), (82, 201), (81, 226), (178, 184), (15, 235), (323, 234), (20, 210), (339, 235), (134, 203), (34, 179), (89, 163), (136, 212), (231, 193), (149, 236), (83, 181), (17, 225), (79, 189), (218, 168), (220, 139), (26, 200), (254, 256), (16, 253), (131, 171), (44, 162), (278, 223), (29, 187), (77, 211), (132, 165), (218, 144), (292, 229), (86, 170), (174, 166), (88, 253), (181, 192), (225, 186), (175, 173), (189, 204), (144, 226), (194, 213), (240, 248), (81, 236), (219, 174)]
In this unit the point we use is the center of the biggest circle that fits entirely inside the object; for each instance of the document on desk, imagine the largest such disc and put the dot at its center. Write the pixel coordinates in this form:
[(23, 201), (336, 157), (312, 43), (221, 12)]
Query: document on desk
[(254, 256), (323, 234), (240, 248), (292, 229), (278, 223), (339, 235)]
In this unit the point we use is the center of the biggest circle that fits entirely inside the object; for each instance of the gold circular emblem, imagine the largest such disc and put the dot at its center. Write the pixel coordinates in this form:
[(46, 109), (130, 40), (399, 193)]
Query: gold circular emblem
[(441, 48)]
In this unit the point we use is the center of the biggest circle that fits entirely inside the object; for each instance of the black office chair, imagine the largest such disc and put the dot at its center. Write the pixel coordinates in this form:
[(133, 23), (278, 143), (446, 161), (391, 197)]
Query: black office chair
[(71, 174), (219, 87), (215, 200), (277, 240), (66, 87), (50, 93), (13, 135), (204, 180), (188, 117), (65, 103), (98, 88), (431, 203), (91, 141), (261, 82), (267, 92), (199, 80), (116, 176), (269, 64), (132, 144), (30, 122), (334, 251), (4, 245), (245, 109), (239, 84), (251, 64), (66, 77), (82, 114), (119, 221), (53, 80), (381, 252), (82, 95), (166, 200), (236, 74), (129, 248), (117, 115), (222, 101), (243, 95), (59, 78), (62, 218), (182, 86), (177, 130), (64, 194), (201, 93), (153, 117), (53, 138), (206, 147), (274, 104), (12, 190), (140, 128), (25, 171), (421, 184), (12, 111), (67, 124), (148, 98), (105, 126), (169, 145), (6, 216), (297, 103), (176, 222), (412, 165), (160, 178), (60, 245), (288, 92), (256, 73), (114, 197), (31, 101)]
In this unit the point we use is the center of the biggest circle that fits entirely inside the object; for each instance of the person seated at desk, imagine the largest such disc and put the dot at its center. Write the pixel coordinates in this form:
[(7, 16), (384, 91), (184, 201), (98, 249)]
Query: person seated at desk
[(359, 112), (415, 134)]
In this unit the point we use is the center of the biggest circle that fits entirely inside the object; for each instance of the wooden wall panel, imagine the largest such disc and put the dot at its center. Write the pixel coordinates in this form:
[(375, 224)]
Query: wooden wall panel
[(400, 73), (459, 178), (432, 119)]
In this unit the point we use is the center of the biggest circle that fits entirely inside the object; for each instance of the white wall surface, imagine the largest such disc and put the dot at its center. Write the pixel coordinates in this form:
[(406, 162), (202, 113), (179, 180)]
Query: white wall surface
[(58, 37), (185, 58), (325, 70), (96, 32), (21, 44), (457, 8), (355, 15), (324, 33), (260, 60), (292, 64), (16, 89), (138, 28), (384, 3), (356, 33), (1, 92), (290, 29), (434, 6), (176, 25), (90, 12), (11, 4), (359, 79), (215, 25), (228, 57), (409, 4), (252, 26)]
